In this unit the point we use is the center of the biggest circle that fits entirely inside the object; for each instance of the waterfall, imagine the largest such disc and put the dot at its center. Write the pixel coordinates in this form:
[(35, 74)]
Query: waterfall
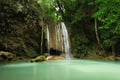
[(57, 39), (48, 40), (66, 40), (62, 41)]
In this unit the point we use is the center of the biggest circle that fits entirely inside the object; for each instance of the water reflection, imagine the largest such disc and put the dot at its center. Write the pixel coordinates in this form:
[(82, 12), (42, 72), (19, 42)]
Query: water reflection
[(35, 72)]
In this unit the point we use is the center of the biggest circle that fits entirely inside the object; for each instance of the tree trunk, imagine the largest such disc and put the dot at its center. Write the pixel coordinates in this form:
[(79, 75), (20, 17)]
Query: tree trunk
[(97, 36)]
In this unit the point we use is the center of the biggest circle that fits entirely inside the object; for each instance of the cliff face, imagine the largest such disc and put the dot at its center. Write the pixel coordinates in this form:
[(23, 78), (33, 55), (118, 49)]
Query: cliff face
[(21, 28)]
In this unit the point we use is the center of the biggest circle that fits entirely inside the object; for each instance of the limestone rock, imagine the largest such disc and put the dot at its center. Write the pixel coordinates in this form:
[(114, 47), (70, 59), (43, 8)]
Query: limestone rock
[(20, 28), (54, 58), (6, 55)]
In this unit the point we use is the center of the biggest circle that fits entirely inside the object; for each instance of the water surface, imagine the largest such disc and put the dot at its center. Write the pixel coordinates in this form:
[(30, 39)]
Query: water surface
[(61, 70)]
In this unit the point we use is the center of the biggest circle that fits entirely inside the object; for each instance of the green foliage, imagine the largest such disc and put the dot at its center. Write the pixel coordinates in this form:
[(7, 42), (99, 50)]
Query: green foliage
[(108, 14), (80, 46), (49, 9), (6, 1), (76, 14), (31, 52), (79, 16), (73, 10)]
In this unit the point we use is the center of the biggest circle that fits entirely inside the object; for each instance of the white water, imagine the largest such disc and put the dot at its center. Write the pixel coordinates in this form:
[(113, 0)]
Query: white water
[(66, 40), (48, 40), (62, 40)]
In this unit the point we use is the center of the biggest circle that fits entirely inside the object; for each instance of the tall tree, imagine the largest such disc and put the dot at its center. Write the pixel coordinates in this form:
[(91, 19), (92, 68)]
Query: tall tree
[(108, 14)]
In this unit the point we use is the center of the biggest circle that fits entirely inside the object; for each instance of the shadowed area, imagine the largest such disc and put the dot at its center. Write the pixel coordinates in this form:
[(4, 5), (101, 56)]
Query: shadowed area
[(55, 51)]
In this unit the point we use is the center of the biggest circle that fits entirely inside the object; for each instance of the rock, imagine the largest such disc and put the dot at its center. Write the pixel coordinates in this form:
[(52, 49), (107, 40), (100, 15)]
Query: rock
[(117, 58), (110, 58), (38, 59), (20, 28), (6, 56), (54, 58), (49, 58)]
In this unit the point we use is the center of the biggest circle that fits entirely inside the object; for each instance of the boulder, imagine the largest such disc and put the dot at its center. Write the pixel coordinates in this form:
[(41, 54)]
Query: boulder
[(54, 58), (38, 59), (6, 56)]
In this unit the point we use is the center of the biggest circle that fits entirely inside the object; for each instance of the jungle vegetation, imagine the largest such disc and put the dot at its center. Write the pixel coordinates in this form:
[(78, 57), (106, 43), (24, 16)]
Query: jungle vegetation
[(93, 25)]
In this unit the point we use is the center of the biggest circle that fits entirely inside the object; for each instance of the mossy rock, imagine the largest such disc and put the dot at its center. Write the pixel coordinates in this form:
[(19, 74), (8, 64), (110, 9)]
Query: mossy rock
[(38, 59)]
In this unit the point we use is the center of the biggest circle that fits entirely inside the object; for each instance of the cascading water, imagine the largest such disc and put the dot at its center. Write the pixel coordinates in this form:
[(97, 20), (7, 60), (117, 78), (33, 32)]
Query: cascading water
[(66, 40), (57, 38), (62, 40), (48, 40)]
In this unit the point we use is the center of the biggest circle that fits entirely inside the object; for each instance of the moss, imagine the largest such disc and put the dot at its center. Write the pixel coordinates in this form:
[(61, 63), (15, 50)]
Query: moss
[(38, 59)]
